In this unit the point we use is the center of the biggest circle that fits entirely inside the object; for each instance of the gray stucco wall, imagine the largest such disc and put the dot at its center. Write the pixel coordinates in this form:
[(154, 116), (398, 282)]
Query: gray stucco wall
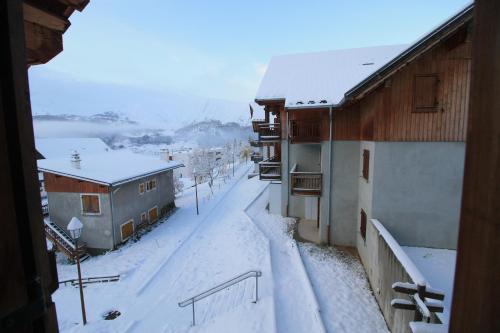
[(129, 204), (97, 231), (308, 158), (417, 191), (344, 198), (285, 177), (365, 187)]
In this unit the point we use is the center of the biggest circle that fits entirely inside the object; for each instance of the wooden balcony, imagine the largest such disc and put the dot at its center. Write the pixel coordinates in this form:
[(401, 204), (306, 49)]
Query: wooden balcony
[(255, 143), (256, 123), (305, 183), (270, 169), (270, 132), (305, 131), (256, 157)]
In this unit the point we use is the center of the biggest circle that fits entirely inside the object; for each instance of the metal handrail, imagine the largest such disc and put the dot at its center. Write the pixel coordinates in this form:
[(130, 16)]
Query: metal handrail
[(229, 283)]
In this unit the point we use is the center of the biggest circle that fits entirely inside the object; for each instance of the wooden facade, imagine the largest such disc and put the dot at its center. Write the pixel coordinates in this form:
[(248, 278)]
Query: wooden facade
[(426, 100), (57, 183), (390, 113), (475, 305)]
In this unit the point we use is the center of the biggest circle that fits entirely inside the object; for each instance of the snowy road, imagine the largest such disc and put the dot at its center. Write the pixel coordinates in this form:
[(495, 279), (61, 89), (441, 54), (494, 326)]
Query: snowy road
[(223, 246)]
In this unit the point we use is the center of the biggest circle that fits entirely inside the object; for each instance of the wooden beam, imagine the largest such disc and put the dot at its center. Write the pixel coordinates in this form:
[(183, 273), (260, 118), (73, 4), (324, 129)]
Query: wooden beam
[(25, 301), (44, 18), (77, 4), (42, 44), (477, 289)]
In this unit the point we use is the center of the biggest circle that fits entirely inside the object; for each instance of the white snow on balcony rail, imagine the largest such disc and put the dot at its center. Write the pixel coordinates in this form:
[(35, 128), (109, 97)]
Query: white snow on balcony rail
[(403, 258)]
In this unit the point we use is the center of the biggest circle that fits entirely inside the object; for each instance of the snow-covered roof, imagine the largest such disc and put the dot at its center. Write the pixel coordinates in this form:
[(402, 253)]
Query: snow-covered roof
[(321, 78), (109, 168), (64, 147)]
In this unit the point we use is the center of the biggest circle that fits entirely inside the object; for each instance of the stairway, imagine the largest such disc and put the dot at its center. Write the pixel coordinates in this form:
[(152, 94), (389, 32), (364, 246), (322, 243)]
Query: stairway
[(64, 242)]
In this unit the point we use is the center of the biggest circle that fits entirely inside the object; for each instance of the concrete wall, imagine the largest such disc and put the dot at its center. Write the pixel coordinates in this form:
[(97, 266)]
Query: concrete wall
[(365, 187), (308, 158), (385, 262), (274, 198), (129, 204), (97, 232), (285, 178), (383, 269), (344, 197), (417, 189)]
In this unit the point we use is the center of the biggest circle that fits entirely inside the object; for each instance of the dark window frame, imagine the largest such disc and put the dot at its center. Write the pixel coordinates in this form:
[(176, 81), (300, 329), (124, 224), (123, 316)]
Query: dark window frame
[(362, 224), (365, 172)]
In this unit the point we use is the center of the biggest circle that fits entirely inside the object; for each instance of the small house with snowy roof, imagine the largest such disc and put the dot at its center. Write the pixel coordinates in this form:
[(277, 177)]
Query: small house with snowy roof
[(112, 193)]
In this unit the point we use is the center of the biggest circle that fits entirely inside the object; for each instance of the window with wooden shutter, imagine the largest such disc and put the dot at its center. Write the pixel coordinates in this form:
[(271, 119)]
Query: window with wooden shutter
[(141, 188), (127, 230), (425, 93), (90, 204), (153, 214), (366, 164), (362, 225)]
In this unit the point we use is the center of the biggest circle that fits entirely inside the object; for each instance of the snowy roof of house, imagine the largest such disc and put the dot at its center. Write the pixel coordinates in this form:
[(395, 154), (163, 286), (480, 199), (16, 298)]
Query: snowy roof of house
[(64, 147), (321, 78), (108, 168)]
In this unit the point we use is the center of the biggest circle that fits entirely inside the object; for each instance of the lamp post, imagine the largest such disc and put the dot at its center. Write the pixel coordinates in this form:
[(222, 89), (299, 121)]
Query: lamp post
[(75, 229), (196, 189)]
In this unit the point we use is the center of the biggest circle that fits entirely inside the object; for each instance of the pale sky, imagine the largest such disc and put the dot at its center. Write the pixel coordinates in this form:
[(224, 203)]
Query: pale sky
[(220, 49)]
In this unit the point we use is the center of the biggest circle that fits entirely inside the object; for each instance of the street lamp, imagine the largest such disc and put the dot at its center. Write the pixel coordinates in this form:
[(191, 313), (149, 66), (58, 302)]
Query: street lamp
[(196, 189), (75, 230)]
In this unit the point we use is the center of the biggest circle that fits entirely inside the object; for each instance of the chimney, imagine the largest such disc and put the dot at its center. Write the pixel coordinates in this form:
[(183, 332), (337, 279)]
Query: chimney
[(75, 160), (164, 155)]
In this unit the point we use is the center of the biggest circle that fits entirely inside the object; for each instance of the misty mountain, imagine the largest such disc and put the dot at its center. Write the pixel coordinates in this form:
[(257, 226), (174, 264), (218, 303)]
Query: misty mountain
[(54, 94)]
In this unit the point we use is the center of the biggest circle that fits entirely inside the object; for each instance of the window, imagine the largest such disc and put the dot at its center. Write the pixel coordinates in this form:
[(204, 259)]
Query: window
[(141, 188), (90, 204), (151, 185), (153, 214), (366, 163), (127, 229), (425, 93), (362, 225)]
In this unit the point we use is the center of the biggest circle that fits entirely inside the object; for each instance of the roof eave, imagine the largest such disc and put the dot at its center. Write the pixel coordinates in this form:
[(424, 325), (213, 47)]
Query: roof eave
[(264, 101), (414, 50), (115, 183)]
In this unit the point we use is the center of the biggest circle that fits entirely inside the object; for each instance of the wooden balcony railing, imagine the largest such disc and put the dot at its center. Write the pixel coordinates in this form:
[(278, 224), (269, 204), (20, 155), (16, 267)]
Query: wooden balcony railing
[(305, 183), (305, 131), (270, 132), (256, 123), (256, 157), (255, 143), (270, 169)]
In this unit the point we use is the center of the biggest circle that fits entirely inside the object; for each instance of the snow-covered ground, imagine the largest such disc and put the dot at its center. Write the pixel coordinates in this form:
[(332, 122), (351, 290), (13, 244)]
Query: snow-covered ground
[(188, 254), (438, 268), (338, 282)]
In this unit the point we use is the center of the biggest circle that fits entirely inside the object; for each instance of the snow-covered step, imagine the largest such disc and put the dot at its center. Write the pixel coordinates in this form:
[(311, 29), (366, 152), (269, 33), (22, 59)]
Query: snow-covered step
[(296, 306)]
